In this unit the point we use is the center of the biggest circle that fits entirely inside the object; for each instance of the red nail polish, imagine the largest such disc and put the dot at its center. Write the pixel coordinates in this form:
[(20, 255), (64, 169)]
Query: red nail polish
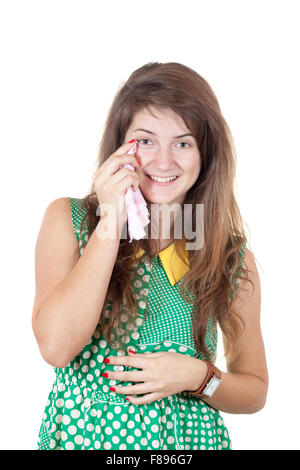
[(131, 351), (131, 141), (112, 389), (106, 360), (105, 374), (127, 399)]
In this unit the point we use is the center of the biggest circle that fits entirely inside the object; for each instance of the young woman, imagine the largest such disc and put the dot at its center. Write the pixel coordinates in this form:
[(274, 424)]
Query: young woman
[(131, 328)]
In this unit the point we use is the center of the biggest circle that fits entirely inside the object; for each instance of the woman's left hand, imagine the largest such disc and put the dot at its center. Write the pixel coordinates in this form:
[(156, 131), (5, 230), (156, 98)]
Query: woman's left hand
[(162, 374)]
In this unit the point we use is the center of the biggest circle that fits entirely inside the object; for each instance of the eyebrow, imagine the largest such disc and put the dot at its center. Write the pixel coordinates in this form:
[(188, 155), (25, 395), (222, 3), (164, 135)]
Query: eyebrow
[(175, 137)]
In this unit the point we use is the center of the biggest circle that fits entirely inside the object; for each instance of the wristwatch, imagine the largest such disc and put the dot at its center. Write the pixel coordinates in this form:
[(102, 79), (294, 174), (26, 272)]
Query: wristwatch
[(210, 383)]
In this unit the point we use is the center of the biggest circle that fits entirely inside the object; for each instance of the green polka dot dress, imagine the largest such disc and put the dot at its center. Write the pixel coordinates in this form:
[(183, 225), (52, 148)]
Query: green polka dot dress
[(82, 414)]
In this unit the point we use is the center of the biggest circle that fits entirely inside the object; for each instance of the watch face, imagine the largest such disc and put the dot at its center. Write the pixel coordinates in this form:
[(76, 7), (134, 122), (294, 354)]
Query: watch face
[(211, 387)]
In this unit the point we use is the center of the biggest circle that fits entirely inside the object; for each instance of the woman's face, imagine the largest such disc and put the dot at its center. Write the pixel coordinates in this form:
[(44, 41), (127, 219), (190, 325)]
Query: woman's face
[(165, 148)]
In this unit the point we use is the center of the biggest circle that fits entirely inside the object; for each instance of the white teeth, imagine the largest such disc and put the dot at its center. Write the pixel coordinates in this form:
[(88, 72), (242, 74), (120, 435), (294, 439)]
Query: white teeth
[(162, 180)]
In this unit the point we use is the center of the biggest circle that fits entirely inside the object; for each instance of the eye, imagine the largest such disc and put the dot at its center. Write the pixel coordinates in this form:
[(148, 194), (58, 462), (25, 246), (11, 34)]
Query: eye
[(185, 143), (140, 140)]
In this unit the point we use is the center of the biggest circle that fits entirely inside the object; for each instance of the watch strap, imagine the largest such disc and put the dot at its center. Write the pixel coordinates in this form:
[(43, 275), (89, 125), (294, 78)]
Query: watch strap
[(212, 370)]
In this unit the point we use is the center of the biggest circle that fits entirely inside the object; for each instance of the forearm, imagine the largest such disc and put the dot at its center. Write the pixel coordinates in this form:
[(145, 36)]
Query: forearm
[(237, 393), (69, 315)]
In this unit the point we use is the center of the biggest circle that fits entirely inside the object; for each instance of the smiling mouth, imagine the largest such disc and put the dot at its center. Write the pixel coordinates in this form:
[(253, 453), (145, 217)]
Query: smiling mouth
[(162, 183)]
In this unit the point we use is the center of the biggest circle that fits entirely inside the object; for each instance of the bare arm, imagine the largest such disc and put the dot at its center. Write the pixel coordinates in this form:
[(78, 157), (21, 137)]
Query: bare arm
[(244, 386), (70, 289)]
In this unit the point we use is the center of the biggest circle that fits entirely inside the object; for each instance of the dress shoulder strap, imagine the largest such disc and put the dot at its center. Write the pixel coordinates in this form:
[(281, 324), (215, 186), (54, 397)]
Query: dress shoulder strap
[(241, 258), (239, 272), (78, 213)]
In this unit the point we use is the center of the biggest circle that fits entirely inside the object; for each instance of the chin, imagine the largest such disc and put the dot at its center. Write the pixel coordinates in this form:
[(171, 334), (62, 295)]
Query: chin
[(159, 200), (156, 198)]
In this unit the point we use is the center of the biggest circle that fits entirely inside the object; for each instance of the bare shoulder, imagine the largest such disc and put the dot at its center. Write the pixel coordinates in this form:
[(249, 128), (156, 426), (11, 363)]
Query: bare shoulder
[(56, 251), (57, 222), (60, 207), (61, 203)]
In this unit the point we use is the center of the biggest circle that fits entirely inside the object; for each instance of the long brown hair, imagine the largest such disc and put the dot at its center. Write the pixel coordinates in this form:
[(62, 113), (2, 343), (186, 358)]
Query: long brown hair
[(215, 268)]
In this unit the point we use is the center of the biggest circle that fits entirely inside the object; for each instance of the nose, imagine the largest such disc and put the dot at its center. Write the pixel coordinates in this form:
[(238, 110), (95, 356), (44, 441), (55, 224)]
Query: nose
[(164, 159)]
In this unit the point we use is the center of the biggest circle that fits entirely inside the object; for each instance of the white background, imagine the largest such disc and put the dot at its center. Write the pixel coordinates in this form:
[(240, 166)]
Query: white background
[(61, 64)]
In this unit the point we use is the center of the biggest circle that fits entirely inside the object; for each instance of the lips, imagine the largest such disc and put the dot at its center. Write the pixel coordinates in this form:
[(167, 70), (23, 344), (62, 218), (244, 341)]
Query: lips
[(158, 176)]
